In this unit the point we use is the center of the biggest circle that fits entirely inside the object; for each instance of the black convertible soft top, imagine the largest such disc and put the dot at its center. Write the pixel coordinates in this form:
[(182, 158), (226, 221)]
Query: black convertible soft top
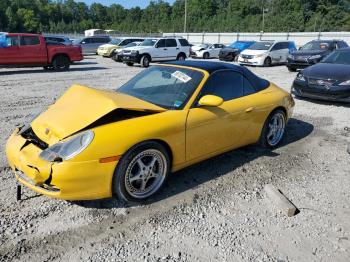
[(212, 67)]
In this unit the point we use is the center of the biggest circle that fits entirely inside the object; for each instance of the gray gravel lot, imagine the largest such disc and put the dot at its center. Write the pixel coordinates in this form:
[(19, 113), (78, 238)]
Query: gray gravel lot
[(213, 211)]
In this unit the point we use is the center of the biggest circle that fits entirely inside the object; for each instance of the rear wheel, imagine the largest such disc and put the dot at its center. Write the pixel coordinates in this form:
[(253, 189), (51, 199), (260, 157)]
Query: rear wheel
[(206, 55), (273, 129), (61, 63), (181, 57), (267, 61), (291, 69), (141, 172), (145, 61)]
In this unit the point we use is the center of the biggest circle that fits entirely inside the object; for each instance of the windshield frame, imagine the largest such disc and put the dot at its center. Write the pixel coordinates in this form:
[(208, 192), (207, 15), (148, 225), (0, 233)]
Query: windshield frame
[(252, 47), (153, 40), (318, 43), (191, 96), (338, 52)]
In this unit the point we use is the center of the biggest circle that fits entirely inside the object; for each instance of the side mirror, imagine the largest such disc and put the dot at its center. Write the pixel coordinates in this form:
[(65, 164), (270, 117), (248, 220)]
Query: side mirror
[(210, 100), (299, 48)]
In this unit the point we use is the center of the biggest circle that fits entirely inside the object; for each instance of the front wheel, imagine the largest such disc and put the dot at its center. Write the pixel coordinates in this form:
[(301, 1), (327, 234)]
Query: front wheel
[(273, 130), (267, 62), (145, 61), (141, 172), (206, 56)]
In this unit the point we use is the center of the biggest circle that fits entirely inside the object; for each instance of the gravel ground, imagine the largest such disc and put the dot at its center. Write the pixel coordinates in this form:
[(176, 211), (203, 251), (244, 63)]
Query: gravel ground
[(213, 211)]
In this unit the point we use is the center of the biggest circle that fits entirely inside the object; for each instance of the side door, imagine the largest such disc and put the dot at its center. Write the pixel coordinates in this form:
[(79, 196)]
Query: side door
[(215, 50), (211, 130), (10, 55), (86, 45), (160, 52), (32, 50), (172, 48), (276, 53)]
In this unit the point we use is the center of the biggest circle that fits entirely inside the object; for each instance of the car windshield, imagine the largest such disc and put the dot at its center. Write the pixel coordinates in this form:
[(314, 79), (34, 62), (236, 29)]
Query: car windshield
[(166, 86), (338, 57), (115, 41), (315, 46), (261, 46), (131, 44), (149, 42)]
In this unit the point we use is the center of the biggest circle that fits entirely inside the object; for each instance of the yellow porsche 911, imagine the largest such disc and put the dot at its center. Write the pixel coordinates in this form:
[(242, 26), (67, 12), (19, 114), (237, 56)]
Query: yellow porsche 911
[(93, 144)]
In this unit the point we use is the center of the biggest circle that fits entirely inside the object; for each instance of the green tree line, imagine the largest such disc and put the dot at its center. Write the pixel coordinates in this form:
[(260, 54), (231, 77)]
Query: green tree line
[(159, 16)]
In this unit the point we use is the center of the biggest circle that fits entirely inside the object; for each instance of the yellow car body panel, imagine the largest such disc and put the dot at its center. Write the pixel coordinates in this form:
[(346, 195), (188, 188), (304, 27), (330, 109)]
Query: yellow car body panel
[(106, 50), (191, 134)]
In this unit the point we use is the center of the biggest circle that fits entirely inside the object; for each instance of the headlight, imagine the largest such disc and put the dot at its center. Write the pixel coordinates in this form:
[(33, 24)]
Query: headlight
[(261, 55), (300, 77), (314, 57), (68, 149), (134, 52), (345, 83)]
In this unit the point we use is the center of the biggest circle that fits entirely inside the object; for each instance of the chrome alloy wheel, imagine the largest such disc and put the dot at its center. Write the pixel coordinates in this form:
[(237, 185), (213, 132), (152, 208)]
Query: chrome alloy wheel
[(146, 173), (276, 129)]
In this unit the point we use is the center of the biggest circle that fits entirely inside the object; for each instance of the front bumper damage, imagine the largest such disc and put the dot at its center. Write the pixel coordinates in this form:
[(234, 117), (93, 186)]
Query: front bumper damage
[(67, 180)]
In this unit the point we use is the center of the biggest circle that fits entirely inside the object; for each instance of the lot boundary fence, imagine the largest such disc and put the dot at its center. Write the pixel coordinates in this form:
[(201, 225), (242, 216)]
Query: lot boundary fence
[(300, 38)]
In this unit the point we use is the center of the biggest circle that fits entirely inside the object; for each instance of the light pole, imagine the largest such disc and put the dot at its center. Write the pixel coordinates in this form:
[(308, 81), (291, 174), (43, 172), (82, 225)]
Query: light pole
[(185, 22), (263, 17)]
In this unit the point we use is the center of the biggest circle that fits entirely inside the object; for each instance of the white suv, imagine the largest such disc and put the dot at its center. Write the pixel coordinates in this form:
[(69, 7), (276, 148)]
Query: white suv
[(266, 53), (156, 50)]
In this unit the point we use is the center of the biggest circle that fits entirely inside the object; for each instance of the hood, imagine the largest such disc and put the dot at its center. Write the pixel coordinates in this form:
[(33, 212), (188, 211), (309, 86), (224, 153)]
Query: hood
[(81, 106), (253, 52), (229, 49), (139, 47), (197, 48), (109, 46), (308, 52), (328, 71)]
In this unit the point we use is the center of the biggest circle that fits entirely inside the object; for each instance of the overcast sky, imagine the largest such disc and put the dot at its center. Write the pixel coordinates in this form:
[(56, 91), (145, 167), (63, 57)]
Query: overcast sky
[(125, 3)]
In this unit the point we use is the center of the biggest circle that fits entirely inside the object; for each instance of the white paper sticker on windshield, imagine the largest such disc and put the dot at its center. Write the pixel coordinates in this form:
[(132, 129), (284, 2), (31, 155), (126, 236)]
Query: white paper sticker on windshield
[(181, 76)]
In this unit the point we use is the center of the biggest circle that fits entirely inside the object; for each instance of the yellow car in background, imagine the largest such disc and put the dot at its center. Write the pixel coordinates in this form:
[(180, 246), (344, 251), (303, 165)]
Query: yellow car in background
[(93, 144), (107, 50)]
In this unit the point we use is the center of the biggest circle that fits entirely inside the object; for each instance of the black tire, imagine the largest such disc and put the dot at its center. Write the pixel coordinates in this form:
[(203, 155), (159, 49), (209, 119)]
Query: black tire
[(233, 57), (121, 179), (206, 55), (61, 63), (267, 62), (129, 64), (291, 69), (145, 61), (181, 57), (264, 141)]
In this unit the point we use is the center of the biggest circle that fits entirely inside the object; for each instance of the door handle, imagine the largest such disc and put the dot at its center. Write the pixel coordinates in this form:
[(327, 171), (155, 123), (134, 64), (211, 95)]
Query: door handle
[(165, 49), (177, 48), (250, 109)]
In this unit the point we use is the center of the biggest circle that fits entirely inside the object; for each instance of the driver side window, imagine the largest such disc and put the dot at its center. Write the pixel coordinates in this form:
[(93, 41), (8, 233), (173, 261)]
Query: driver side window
[(12, 40), (226, 84)]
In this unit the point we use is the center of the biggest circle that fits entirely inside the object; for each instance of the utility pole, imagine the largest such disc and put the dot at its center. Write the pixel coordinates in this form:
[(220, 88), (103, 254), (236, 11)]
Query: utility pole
[(185, 22)]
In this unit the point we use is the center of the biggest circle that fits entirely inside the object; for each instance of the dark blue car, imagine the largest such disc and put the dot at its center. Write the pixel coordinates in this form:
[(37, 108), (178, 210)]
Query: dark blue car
[(230, 52)]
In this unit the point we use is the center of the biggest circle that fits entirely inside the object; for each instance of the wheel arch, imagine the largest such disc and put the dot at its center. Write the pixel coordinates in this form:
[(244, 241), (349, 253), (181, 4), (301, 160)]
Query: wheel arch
[(60, 54), (181, 53), (146, 54)]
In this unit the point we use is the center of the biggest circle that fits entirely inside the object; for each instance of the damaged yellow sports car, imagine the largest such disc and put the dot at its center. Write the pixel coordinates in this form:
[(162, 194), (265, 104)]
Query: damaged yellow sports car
[(92, 144)]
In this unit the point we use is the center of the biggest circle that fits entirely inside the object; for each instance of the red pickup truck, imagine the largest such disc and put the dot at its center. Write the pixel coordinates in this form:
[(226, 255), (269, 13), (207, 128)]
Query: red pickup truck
[(22, 50)]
